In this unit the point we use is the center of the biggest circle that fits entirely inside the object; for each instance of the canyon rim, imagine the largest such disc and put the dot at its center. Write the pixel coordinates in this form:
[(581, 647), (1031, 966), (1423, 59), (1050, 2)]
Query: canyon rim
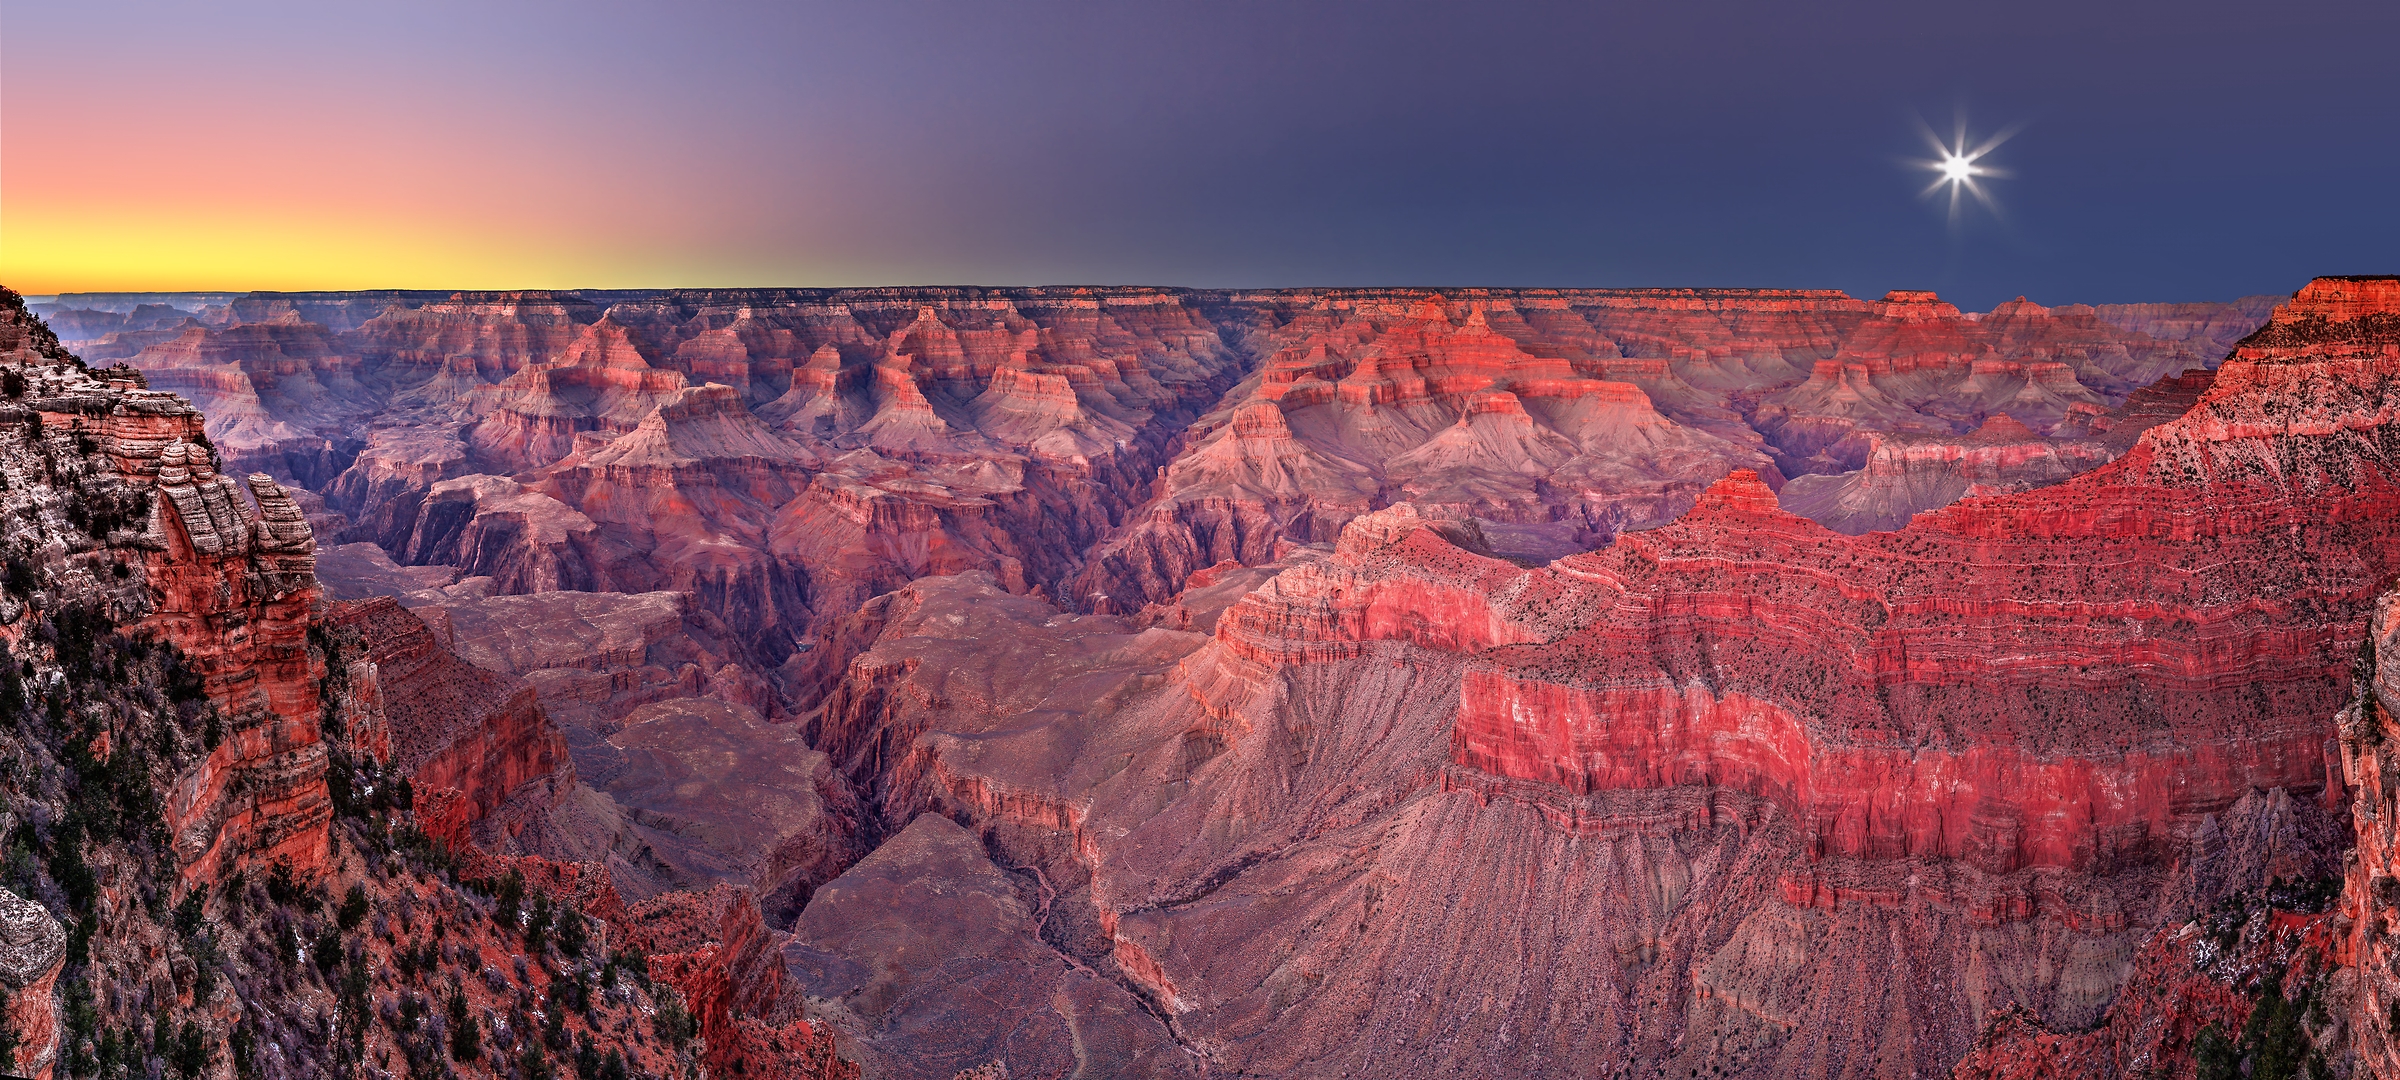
[(948, 682)]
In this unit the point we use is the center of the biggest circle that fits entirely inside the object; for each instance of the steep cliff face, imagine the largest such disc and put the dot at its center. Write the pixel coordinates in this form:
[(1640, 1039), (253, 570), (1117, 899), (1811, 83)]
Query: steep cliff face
[(1580, 414), (1705, 779), (231, 587), (899, 433), (1349, 692), (2370, 900), (468, 739), (217, 857), (1907, 475), (729, 972)]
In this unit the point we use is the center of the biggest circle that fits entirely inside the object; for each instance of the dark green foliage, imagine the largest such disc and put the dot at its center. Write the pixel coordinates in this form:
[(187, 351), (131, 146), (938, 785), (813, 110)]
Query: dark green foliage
[(354, 908), (614, 1068), (245, 1052), (573, 994), (326, 950), (537, 926), (286, 892), (587, 1057), (326, 642), (20, 580), (9, 1039), (634, 963), (187, 913), (183, 682), (511, 896), (573, 935), (205, 961), (2223, 923), (79, 938), (2273, 1040), (465, 1043), (675, 1024), (12, 384), (356, 1006), (189, 1055), (67, 866), (2213, 1057), (82, 1017), (532, 1064)]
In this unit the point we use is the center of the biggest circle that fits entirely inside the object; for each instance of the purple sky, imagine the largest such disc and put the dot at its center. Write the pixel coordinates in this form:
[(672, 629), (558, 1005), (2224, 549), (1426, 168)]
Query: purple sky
[(2170, 151)]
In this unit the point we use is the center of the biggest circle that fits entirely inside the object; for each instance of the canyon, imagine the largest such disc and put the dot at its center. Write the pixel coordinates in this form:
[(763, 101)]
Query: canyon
[(960, 682)]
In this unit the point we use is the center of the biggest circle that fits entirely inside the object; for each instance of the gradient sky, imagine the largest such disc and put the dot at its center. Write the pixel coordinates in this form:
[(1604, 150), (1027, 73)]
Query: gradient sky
[(2192, 150)]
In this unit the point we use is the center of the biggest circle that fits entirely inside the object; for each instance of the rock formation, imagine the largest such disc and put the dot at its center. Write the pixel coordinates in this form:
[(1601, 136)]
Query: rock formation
[(935, 960), (1908, 474), (730, 973), (217, 858), (468, 739), (1702, 780), (1153, 681), (878, 435), (33, 946)]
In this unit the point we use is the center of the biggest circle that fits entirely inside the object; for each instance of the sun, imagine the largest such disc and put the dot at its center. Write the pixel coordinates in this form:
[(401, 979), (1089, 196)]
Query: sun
[(1959, 167)]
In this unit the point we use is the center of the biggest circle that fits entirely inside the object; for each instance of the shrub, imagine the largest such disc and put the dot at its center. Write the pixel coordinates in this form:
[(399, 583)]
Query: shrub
[(354, 907), (465, 1043)]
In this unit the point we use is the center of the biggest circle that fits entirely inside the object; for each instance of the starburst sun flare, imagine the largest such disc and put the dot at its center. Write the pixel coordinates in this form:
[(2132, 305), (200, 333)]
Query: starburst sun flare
[(1958, 167)]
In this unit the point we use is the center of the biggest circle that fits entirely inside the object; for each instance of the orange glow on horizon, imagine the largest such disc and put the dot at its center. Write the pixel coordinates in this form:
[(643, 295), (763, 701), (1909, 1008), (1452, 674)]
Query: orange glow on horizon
[(354, 189)]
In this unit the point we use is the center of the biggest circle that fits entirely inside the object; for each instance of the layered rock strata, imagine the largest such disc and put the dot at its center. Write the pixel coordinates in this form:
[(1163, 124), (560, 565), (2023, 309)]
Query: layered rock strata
[(33, 947), (468, 739), (204, 791), (856, 439), (1701, 782)]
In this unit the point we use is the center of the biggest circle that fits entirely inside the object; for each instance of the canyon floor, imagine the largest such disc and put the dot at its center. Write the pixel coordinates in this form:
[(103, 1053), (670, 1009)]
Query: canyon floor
[(1123, 681)]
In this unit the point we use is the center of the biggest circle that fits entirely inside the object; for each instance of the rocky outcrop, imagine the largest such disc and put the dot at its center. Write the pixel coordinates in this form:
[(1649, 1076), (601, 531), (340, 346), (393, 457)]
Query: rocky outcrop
[(388, 480), (1703, 779), (235, 593), (228, 579), (1908, 475), (733, 981), (468, 739), (494, 527), (33, 946), (904, 432), (212, 786)]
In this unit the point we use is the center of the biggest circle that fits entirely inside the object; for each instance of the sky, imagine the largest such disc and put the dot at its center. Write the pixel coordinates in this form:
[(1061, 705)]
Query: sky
[(2198, 150)]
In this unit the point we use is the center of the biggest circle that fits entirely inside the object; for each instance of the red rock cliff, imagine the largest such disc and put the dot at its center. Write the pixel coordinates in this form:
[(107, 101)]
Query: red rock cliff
[(467, 738), (232, 587)]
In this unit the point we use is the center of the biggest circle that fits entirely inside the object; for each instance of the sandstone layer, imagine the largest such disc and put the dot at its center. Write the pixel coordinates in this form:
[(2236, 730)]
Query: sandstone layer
[(1701, 782)]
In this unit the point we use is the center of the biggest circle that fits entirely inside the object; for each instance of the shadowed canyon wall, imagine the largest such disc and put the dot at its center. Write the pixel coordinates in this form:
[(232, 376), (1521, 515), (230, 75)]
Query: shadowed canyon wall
[(1320, 682)]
